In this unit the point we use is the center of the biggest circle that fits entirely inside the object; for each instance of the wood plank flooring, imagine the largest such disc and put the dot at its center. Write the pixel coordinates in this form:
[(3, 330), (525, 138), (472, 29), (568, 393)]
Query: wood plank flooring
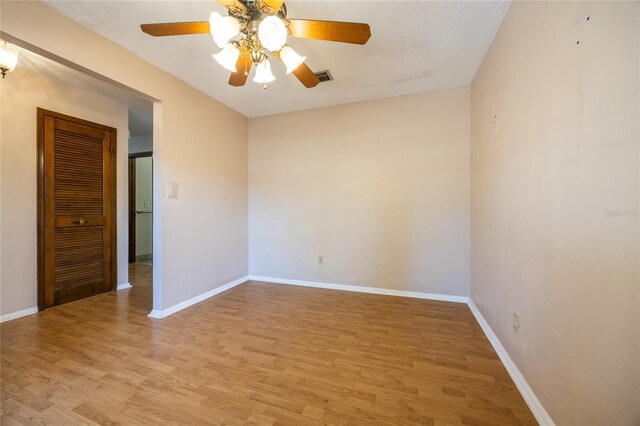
[(258, 354)]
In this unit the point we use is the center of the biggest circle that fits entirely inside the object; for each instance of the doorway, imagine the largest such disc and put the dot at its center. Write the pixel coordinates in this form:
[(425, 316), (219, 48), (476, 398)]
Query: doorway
[(77, 238), (82, 93), (141, 208), (142, 257)]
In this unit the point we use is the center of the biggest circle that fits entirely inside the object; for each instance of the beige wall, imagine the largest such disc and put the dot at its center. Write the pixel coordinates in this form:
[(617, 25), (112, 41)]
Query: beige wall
[(555, 147), (380, 189), (20, 94), (198, 142)]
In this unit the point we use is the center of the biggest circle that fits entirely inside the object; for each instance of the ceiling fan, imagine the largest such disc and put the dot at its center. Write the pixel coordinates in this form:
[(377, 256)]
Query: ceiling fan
[(258, 29)]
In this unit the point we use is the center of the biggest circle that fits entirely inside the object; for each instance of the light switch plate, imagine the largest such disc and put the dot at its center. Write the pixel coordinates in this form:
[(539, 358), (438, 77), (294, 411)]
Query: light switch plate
[(174, 189)]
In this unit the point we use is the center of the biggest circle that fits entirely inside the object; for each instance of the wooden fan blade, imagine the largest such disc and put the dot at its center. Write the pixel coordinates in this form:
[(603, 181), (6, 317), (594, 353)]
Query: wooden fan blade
[(306, 76), (175, 28), (243, 66), (345, 32)]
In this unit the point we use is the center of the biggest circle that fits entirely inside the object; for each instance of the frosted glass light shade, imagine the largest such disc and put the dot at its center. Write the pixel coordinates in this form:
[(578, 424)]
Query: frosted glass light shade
[(222, 28), (263, 73), (228, 57), (8, 57), (272, 33), (291, 59)]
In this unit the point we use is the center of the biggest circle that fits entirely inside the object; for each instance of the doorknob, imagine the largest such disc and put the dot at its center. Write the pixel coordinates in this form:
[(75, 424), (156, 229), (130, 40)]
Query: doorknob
[(80, 222)]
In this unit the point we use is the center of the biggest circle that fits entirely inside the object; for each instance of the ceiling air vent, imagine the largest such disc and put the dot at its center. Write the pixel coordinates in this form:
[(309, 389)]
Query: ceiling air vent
[(324, 76)]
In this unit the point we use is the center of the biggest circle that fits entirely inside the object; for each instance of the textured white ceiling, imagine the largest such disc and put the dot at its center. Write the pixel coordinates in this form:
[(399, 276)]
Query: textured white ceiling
[(416, 46)]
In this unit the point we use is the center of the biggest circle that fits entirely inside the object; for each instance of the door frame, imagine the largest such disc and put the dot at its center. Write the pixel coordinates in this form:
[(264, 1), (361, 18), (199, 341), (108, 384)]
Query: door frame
[(41, 197), (132, 201)]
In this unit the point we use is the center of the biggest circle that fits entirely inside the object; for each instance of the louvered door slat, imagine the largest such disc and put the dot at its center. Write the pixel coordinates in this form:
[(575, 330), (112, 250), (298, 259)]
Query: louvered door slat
[(78, 174), (78, 208), (79, 257)]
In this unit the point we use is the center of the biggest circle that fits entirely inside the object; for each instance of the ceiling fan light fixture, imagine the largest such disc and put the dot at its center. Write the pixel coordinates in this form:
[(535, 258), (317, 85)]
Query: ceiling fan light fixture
[(263, 73), (8, 58), (272, 33), (291, 59), (228, 57), (222, 28), (258, 29)]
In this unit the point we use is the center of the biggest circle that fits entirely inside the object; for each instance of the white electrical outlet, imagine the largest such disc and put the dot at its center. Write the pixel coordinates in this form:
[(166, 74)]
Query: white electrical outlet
[(320, 260), (516, 321)]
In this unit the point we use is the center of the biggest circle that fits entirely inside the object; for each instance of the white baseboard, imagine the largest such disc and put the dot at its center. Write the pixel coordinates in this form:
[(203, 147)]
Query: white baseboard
[(159, 314), (155, 313), (123, 286), (360, 289), (530, 398), (34, 310), (18, 314)]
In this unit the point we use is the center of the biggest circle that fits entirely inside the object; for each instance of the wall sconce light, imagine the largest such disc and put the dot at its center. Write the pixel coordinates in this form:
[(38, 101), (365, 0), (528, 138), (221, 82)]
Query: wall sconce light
[(8, 58)]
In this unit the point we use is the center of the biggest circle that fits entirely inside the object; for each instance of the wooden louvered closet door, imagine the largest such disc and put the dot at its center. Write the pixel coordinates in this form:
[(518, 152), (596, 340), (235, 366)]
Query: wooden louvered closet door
[(77, 209)]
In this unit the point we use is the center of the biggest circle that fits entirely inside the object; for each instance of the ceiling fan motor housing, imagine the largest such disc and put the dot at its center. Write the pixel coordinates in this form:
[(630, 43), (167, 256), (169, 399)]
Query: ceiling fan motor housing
[(258, 56)]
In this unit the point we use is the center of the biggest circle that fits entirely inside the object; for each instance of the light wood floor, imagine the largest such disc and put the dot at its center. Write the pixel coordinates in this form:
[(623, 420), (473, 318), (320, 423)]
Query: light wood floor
[(256, 354)]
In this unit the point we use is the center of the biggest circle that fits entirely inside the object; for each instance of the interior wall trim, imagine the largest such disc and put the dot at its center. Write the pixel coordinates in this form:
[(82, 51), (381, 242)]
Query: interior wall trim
[(18, 314), (123, 286), (361, 289), (527, 393), (160, 314)]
